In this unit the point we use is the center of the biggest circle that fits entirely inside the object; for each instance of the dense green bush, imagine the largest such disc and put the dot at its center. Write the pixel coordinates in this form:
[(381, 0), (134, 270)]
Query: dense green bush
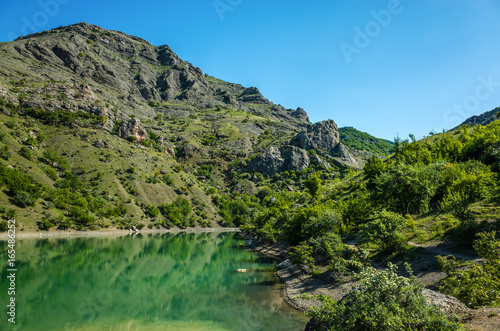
[(384, 301), (313, 184), (406, 188), (476, 285), (26, 153), (5, 153), (385, 229), (23, 189), (65, 118), (177, 212)]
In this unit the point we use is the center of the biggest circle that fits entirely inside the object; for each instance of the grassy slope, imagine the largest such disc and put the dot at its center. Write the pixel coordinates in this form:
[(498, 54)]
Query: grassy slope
[(364, 142)]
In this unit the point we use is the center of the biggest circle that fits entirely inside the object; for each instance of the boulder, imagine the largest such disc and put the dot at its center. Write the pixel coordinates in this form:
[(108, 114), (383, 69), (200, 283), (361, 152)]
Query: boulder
[(133, 128), (285, 264), (99, 143), (445, 303), (268, 162)]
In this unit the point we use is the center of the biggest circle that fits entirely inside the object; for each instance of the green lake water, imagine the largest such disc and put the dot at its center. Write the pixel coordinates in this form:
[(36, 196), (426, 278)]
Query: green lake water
[(185, 281)]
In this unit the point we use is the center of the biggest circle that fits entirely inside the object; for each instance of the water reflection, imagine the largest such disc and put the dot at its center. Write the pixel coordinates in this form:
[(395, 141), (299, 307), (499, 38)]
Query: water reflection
[(186, 281)]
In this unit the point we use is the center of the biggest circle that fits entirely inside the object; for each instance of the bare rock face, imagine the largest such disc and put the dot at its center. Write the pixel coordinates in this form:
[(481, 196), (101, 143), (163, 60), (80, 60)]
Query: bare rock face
[(301, 115), (133, 128), (322, 137), (343, 155), (267, 163), (294, 158), (276, 160), (253, 95), (317, 160)]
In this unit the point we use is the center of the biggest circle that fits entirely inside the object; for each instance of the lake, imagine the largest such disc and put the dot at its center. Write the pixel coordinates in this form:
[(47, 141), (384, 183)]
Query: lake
[(184, 281)]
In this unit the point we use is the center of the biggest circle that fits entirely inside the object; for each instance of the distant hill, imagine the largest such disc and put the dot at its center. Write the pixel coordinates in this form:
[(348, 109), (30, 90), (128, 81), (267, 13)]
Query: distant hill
[(482, 119), (364, 142)]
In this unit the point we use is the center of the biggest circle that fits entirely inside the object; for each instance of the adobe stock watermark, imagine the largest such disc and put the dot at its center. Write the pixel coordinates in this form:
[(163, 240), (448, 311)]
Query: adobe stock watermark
[(364, 36), (223, 6), (48, 9), (461, 111)]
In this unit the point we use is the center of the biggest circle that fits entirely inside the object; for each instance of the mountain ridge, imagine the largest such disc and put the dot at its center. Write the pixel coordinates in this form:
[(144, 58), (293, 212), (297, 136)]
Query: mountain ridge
[(142, 137)]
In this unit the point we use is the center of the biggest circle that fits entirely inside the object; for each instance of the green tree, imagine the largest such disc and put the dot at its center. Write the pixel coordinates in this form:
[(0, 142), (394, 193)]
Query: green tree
[(406, 188), (313, 184), (383, 301), (385, 229), (373, 167)]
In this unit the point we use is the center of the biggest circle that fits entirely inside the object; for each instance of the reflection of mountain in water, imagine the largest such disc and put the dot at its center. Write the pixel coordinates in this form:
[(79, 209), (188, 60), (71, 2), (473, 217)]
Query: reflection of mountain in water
[(151, 278)]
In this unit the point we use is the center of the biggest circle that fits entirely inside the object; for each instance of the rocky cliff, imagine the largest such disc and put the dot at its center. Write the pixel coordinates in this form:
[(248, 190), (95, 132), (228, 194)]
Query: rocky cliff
[(319, 144)]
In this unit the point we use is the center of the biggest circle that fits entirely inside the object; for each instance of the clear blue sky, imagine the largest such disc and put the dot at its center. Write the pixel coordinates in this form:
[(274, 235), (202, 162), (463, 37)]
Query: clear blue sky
[(384, 67)]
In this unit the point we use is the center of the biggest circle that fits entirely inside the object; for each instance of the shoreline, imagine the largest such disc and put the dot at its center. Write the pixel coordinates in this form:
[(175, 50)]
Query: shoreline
[(107, 232), (296, 282)]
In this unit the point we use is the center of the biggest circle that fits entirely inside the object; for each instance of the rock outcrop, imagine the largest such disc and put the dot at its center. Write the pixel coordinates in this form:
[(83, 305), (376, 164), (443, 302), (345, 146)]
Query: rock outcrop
[(323, 137), (133, 128), (276, 160)]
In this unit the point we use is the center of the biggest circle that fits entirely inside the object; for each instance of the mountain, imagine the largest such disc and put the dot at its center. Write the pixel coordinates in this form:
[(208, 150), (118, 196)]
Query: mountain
[(482, 119), (104, 129), (363, 142)]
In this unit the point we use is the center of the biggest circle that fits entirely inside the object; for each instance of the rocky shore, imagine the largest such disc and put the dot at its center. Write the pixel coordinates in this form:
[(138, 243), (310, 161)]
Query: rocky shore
[(297, 282)]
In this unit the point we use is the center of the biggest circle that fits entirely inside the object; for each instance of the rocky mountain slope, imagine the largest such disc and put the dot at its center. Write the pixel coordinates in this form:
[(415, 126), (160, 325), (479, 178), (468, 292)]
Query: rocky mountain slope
[(139, 127), (483, 119)]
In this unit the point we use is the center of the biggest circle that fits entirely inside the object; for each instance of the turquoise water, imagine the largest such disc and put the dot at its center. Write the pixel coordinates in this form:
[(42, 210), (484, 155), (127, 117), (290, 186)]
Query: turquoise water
[(183, 281)]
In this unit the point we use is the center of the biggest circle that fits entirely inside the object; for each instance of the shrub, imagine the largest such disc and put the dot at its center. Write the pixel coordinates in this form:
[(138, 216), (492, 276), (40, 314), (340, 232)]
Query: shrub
[(31, 141), (26, 153), (373, 167), (51, 173), (10, 214), (302, 254), (5, 153), (313, 184), (405, 188), (23, 199), (177, 212), (356, 209), (385, 230), (479, 284), (458, 203), (384, 301), (152, 211), (4, 226)]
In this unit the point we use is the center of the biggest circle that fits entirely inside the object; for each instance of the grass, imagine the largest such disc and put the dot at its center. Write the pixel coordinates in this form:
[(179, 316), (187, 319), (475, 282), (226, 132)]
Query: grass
[(76, 146)]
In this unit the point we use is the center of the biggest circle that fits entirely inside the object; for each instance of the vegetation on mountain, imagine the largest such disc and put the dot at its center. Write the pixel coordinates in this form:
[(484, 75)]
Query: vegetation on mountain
[(364, 142), (120, 133)]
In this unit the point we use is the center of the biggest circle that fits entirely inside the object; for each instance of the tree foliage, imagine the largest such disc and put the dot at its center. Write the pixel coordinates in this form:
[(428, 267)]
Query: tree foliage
[(383, 301)]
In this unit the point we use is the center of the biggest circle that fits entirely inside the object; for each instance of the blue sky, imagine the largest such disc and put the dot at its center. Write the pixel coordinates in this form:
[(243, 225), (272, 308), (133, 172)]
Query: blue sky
[(384, 67)]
